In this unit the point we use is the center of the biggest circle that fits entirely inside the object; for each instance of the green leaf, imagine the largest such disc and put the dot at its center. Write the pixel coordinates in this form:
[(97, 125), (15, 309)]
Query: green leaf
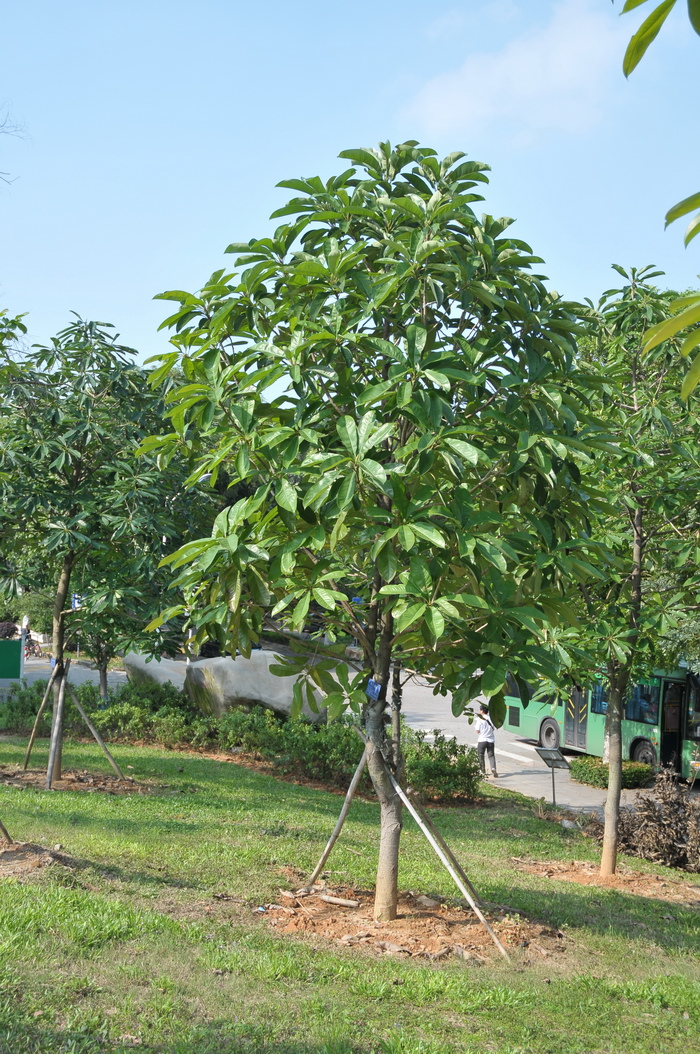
[(683, 207), (346, 492), (644, 36), (692, 229), (694, 14), (691, 379), (286, 496), (326, 597), (297, 700), (429, 534), (409, 616), (661, 332), (494, 677), (465, 450), (497, 709), (347, 430), (690, 342), (474, 601), (435, 622), (406, 537)]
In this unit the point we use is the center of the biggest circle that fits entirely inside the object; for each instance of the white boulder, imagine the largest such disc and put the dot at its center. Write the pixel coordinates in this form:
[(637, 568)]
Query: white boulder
[(141, 668), (216, 685)]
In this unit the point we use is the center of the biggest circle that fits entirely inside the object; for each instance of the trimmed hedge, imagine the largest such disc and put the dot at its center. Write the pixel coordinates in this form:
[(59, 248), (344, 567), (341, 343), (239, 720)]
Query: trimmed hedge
[(160, 714), (595, 773)]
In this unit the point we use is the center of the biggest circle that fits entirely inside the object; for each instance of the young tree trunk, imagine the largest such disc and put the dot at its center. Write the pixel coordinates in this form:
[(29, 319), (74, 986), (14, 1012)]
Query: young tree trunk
[(379, 752), (57, 648), (386, 891), (613, 736), (103, 682)]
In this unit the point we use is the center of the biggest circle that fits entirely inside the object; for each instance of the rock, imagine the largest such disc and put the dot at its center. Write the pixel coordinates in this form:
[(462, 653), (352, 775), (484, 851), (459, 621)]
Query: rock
[(427, 902), (216, 685), (140, 669)]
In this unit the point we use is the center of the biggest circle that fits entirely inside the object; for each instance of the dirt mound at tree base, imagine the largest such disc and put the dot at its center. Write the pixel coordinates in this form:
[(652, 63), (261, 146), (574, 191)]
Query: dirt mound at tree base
[(15, 776), (23, 858), (639, 883), (426, 927)]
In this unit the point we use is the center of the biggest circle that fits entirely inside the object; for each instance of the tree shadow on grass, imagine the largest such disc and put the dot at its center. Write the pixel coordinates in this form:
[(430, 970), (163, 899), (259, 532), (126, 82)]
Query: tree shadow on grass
[(607, 912), (216, 1037)]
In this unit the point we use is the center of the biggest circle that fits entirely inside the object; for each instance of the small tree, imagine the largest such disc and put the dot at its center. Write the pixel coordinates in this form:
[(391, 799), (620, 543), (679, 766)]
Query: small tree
[(74, 494), (417, 484)]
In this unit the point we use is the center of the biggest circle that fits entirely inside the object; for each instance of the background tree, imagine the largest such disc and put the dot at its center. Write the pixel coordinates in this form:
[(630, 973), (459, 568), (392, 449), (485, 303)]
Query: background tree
[(71, 418), (650, 528), (417, 484)]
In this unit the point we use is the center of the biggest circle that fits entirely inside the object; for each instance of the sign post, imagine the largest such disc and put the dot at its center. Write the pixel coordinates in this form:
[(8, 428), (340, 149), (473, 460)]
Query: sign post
[(553, 759)]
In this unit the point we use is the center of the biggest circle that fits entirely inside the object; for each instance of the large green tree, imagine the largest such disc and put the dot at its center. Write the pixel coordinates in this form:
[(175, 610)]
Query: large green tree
[(398, 391)]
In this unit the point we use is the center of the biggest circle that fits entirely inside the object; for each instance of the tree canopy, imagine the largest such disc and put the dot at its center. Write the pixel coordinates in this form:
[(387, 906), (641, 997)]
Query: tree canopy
[(398, 391)]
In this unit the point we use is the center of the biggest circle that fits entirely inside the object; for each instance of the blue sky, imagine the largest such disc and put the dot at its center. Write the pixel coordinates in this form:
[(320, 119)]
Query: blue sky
[(153, 134)]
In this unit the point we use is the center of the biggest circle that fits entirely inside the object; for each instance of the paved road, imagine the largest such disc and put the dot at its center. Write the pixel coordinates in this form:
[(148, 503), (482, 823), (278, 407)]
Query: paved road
[(520, 768)]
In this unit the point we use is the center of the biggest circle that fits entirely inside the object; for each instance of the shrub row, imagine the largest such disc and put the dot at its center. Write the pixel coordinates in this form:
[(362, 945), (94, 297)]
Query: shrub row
[(595, 773), (159, 714)]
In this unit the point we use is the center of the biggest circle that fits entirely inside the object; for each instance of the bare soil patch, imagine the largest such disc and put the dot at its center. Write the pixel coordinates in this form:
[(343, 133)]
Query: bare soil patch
[(427, 927), (586, 873), (20, 859), (74, 780)]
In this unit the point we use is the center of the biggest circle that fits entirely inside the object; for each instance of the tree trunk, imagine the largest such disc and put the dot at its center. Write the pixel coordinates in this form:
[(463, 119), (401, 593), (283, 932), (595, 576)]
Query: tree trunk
[(57, 648), (103, 682), (378, 748), (386, 891), (613, 737)]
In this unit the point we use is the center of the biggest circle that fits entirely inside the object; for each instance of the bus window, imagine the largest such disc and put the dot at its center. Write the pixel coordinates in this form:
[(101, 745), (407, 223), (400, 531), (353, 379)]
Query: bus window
[(692, 730), (599, 699), (642, 704)]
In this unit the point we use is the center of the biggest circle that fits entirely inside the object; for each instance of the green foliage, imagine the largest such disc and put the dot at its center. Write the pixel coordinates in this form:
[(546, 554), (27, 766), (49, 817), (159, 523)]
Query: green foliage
[(441, 769), (161, 714), (39, 610), (426, 455), (7, 630), (595, 773), (19, 706), (80, 511), (685, 313)]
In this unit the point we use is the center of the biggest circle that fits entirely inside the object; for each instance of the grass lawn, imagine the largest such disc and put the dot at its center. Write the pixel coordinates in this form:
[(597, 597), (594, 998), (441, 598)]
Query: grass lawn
[(153, 943)]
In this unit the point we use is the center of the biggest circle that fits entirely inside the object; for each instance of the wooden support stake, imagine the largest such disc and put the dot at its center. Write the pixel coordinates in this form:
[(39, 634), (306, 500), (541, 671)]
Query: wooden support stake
[(57, 728), (445, 848), (96, 734), (341, 901), (5, 833), (44, 701), (341, 820), (442, 856)]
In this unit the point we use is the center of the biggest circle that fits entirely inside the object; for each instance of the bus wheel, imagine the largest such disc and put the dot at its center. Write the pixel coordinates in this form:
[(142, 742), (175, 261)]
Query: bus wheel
[(549, 734), (644, 751)]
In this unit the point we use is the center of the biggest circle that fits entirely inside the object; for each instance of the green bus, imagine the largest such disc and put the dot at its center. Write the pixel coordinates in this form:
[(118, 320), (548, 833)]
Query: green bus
[(660, 726)]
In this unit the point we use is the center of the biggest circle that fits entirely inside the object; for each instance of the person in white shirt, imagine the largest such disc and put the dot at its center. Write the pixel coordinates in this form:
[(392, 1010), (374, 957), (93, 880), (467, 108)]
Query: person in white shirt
[(485, 743)]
